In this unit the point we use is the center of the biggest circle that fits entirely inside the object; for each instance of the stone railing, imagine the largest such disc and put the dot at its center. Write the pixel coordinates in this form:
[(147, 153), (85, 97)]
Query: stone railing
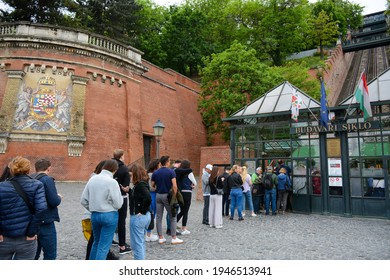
[(69, 37)]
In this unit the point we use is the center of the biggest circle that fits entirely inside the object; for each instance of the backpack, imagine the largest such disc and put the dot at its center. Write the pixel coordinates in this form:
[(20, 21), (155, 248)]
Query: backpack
[(268, 181), (282, 181)]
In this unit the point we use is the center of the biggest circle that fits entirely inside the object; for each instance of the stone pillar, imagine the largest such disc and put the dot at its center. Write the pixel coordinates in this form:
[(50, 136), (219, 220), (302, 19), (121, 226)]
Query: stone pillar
[(76, 136), (7, 110)]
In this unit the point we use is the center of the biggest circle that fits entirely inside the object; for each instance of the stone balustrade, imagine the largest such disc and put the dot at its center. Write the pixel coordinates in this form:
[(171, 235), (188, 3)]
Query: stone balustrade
[(69, 37)]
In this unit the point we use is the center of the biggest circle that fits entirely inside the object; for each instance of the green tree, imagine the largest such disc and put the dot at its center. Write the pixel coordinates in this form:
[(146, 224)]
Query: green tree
[(230, 80), (184, 40), (116, 19), (347, 14), (36, 11), (152, 20), (325, 31), (281, 29)]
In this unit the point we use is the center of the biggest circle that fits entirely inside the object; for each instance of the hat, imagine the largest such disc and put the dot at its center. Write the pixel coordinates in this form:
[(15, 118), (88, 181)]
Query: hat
[(209, 166), (258, 168), (269, 168)]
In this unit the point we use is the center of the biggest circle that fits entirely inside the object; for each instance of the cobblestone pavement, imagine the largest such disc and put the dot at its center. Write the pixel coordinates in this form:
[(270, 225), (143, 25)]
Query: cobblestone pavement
[(282, 237)]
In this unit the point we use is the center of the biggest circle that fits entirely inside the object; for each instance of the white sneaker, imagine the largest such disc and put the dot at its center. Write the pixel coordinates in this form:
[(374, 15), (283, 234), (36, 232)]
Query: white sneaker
[(186, 231), (151, 238), (176, 241), (254, 215), (219, 226), (161, 240), (243, 214)]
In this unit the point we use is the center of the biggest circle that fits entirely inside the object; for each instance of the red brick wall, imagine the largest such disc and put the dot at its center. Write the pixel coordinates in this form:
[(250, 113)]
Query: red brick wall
[(215, 155), (115, 117)]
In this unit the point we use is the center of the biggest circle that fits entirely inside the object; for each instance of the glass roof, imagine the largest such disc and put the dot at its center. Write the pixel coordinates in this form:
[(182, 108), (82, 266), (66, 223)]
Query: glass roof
[(278, 99), (378, 89)]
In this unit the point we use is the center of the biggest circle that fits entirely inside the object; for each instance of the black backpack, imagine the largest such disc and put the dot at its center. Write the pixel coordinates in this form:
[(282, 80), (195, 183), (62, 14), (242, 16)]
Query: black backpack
[(268, 182)]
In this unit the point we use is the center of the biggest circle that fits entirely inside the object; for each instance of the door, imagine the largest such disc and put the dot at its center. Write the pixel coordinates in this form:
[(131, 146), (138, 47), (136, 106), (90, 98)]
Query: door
[(147, 148), (300, 181)]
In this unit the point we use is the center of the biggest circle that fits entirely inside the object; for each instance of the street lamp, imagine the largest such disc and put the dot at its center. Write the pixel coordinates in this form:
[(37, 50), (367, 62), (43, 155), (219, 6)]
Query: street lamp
[(158, 129)]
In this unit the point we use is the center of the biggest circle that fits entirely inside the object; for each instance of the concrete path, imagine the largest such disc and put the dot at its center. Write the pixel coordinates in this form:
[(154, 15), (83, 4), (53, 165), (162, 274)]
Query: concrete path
[(282, 237)]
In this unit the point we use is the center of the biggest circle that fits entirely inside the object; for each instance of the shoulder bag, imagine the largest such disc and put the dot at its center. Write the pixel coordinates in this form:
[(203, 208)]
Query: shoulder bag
[(23, 195)]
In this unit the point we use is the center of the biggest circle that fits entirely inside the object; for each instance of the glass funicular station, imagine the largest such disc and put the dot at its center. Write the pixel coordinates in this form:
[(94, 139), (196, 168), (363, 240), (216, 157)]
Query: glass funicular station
[(342, 170)]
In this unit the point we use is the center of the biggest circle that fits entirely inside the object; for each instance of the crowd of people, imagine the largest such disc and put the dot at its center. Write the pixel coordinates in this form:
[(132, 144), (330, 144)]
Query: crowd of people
[(29, 204)]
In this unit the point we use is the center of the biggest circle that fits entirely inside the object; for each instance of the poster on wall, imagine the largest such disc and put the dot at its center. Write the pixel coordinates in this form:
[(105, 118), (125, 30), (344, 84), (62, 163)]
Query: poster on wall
[(335, 182), (334, 167)]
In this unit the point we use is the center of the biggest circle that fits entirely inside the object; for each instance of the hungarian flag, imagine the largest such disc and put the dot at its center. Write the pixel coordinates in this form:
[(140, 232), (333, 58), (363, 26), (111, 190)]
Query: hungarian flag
[(362, 96), (296, 104)]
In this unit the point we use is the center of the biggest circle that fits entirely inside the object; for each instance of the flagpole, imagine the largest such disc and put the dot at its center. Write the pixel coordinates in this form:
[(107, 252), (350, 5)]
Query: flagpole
[(304, 102), (350, 103)]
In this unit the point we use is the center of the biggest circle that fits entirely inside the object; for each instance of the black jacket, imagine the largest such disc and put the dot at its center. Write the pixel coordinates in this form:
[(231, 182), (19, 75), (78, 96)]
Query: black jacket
[(217, 184), (182, 180), (140, 199), (234, 181), (122, 175)]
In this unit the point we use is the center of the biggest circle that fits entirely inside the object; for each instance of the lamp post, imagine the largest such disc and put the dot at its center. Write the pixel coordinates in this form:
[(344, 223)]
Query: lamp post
[(158, 129)]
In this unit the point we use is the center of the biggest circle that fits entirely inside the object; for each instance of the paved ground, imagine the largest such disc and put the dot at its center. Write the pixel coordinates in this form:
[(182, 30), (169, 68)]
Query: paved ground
[(282, 237)]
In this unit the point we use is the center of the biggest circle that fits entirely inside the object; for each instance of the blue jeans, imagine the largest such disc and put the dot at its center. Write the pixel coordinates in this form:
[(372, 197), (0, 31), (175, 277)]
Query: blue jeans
[(152, 207), (247, 196), (47, 242), (236, 200), (103, 228), (17, 248), (270, 196), (138, 226)]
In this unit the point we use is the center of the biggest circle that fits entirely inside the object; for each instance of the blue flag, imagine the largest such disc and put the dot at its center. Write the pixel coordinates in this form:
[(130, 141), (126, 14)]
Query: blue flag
[(324, 108)]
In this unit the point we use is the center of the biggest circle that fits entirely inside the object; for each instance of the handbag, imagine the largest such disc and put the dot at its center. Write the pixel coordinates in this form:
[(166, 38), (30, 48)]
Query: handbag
[(219, 191)]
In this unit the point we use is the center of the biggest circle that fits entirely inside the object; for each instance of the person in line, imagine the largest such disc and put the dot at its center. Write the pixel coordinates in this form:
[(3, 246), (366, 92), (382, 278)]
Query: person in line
[(270, 181), (282, 164), (47, 237), (19, 225), (216, 192), (234, 182), (176, 165), (164, 179), (247, 191), (153, 166), (87, 225), (258, 190), (6, 174), (186, 182), (103, 198), (206, 193), (226, 191), (140, 201), (122, 176), (283, 180)]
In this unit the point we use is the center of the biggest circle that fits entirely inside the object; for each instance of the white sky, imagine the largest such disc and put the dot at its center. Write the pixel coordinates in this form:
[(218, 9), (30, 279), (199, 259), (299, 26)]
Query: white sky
[(370, 6)]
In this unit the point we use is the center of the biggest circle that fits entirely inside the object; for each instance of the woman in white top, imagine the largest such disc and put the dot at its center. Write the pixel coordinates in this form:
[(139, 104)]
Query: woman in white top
[(247, 193), (102, 197)]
